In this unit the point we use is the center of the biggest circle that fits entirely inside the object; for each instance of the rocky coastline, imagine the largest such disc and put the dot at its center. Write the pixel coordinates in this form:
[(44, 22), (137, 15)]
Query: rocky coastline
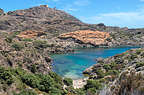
[(119, 74)]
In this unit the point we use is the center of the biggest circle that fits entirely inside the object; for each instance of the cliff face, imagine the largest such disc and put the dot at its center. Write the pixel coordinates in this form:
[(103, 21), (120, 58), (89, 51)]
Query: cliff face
[(94, 38)]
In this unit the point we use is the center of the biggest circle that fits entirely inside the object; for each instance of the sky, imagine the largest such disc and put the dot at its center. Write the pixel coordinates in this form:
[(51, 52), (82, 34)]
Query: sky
[(122, 13)]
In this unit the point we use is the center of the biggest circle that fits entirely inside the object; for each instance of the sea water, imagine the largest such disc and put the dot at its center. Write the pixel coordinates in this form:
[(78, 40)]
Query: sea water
[(72, 65)]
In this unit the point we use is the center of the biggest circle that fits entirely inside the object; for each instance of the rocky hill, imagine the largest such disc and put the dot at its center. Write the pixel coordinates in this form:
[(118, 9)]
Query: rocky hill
[(41, 18), (52, 23)]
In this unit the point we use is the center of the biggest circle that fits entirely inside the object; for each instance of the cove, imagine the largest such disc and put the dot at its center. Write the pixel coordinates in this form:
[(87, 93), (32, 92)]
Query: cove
[(72, 65)]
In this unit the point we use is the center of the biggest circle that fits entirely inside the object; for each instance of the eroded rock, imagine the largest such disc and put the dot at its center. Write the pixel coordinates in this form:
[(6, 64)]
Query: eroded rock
[(87, 37)]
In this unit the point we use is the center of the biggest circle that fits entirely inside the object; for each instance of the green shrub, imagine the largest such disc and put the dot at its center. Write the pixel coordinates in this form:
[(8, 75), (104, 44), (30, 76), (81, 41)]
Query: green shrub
[(31, 80), (27, 40), (18, 72), (40, 81), (68, 81), (80, 91), (39, 44), (139, 51), (113, 64), (107, 67), (55, 91), (133, 56), (141, 64), (50, 83), (17, 46), (6, 76), (100, 73), (56, 77), (46, 83), (93, 84), (9, 39), (112, 72)]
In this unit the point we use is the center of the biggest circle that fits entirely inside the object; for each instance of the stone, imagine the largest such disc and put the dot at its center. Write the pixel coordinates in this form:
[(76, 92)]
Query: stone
[(30, 34), (87, 37)]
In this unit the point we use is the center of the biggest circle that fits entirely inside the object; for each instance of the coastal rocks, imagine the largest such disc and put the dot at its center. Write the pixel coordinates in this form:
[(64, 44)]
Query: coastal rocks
[(100, 60), (123, 73), (94, 38), (79, 83)]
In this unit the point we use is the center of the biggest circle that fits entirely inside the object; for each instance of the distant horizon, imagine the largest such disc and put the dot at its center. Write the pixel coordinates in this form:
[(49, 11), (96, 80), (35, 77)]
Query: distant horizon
[(112, 13)]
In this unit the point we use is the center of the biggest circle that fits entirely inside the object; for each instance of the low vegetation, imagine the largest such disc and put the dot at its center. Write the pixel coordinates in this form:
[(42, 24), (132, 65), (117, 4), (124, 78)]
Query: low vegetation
[(40, 44), (17, 46), (68, 81), (49, 83), (127, 68)]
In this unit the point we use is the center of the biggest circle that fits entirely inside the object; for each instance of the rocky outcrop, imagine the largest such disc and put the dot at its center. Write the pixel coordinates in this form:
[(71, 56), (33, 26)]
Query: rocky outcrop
[(94, 38), (30, 34)]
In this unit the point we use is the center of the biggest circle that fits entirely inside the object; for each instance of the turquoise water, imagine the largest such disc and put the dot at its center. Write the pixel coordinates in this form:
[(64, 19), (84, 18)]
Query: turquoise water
[(73, 64)]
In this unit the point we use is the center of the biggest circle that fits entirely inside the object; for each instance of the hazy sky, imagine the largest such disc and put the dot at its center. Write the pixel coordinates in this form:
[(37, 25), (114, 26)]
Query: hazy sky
[(129, 13)]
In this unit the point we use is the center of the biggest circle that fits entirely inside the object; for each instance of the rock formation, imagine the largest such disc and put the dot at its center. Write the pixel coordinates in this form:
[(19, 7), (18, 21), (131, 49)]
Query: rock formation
[(95, 38), (30, 34)]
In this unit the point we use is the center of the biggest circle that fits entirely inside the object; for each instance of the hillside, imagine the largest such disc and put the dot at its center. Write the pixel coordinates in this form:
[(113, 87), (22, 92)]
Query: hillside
[(40, 18), (51, 23), (120, 75)]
